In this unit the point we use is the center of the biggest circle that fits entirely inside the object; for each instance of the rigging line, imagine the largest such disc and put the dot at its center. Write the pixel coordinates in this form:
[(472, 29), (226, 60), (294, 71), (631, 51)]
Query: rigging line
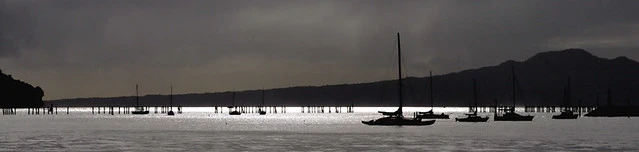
[(388, 70), (405, 70)]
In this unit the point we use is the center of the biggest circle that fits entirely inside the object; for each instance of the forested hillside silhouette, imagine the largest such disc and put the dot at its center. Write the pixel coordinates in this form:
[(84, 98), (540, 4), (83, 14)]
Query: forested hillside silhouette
[(541, 79)]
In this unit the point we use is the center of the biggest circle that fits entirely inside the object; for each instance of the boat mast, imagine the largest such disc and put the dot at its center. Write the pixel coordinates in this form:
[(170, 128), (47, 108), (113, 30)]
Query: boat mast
[(137, 100), (171, 98), (475, 93), (262, 97), (568, 94), (233, 100), (431, 89), (399, 73), (514, 95)]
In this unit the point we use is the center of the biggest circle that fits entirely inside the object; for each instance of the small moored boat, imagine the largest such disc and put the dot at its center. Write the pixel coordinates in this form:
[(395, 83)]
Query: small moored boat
[(473, 117)]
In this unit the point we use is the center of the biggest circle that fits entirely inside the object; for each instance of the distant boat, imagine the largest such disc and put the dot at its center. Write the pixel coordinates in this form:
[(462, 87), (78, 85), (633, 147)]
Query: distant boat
[(234, 112), (566, 113), (610, 110), (614, 111), (138, 110), (509, 113), (262, 111), (473, 117), (397, 118), (430, 114), (171, 113)]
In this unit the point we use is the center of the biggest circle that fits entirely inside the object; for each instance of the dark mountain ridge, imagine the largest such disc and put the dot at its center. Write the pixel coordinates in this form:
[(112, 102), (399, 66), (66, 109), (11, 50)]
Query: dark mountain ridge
[(540, 81)]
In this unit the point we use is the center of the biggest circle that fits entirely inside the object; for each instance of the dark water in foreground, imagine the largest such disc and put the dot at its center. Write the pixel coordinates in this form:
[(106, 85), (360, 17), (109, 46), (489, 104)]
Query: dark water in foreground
[(293, 131)]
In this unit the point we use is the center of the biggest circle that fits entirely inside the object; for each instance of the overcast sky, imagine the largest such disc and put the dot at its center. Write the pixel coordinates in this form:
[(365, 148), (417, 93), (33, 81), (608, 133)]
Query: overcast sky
[(102, 48)]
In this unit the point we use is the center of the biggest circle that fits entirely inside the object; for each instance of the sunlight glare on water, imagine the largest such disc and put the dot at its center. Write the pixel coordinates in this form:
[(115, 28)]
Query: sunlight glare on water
[(200, 129)]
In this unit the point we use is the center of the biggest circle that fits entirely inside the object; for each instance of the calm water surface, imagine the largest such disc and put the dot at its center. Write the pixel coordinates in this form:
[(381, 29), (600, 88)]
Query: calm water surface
[(199, 129)]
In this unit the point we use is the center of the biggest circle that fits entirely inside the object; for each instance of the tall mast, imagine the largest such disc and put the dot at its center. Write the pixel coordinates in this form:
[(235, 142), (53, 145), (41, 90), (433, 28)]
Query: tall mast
[(514, 92), (563, 104), (171, 98), (475, 93), (399, 73), (262, 97), (233, 100), (568, 93), (431, 89), (137, 100)]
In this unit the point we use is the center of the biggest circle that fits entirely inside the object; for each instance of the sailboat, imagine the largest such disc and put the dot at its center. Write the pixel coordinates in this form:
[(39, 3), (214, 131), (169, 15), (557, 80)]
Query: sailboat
[(234, 112), (138, 110), (397, 118), (509, 113), (171, 113), (262, 111), (566, 113), (473, 117), (610, 110), (430, 114)]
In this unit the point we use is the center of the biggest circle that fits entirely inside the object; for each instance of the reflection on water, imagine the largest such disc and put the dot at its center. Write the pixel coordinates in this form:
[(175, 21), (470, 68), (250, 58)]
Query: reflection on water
[(199, 129)]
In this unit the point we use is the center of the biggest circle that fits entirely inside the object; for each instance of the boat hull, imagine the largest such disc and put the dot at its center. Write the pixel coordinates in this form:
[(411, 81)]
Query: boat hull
[(395, 121), (170, 113), (430, 116), (139, 112), (235, 113), (472, 119), (262, 112), (511, 116), (521, 118), (615, 111), (566, 115)]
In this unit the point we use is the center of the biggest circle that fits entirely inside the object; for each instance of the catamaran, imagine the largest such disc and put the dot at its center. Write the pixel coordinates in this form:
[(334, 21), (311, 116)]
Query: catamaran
[(397, 118)]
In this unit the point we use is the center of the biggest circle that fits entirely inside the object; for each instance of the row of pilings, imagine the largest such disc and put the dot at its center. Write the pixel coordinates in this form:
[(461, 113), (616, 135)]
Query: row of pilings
[(322, 109), (536, 109), (127, 110), (273, 109), (163, 109), (9, 111), (553, 109), (246, 109), (44, 110), (94, 110)]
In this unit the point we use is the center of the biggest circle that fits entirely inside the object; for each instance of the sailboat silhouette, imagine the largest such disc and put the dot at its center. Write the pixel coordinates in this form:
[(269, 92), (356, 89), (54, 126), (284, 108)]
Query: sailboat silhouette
[(473, 117), (509, 113), (261, 110), (138, 110), (430, 114), (171, 113), (234, 112), (397, 118)]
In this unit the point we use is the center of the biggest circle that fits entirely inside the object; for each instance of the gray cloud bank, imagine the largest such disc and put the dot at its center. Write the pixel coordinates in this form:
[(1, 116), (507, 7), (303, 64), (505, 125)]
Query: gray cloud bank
[(102, 48)]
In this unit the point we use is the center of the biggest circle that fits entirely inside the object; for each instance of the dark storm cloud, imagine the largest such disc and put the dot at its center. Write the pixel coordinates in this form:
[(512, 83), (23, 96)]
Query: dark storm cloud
[(211, 40)]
